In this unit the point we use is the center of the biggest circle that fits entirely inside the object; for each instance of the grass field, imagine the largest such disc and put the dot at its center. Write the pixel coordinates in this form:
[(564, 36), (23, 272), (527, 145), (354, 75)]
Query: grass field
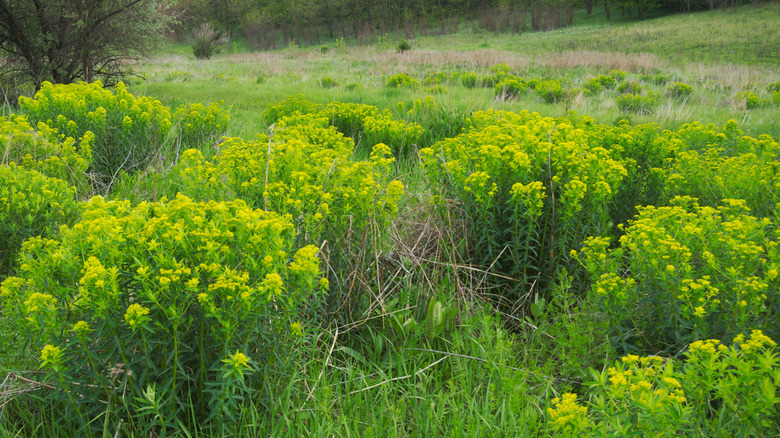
[(710, 51), (438, 334)]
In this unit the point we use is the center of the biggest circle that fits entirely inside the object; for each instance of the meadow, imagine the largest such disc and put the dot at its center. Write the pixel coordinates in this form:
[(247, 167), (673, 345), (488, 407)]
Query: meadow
[(568, 233)]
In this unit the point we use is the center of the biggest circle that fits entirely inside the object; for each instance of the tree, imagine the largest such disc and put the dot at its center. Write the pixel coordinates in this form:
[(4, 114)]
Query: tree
[(64, 41)]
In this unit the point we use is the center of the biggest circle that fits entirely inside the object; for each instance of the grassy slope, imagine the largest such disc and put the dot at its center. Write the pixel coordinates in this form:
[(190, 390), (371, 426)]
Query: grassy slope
[(692, 48), (745, 35)]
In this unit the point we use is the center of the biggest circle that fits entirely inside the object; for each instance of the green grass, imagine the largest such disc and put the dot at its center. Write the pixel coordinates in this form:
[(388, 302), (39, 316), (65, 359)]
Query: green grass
[(744, 35), (709, 50), (748, 35)]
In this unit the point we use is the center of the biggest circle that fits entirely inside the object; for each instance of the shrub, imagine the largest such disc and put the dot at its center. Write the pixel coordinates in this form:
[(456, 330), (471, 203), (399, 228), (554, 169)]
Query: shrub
[(646, 152), (489, 81), (533, 83), (629, 87), (637, 103), (43, 150), (684, 273), (510, 87), (656, 79), (403, 46), (327, 82), (500, 70), (593, 86), (469, 79), (715, 390), (348, 117), (306, 170), (401, 80), (310, 175), (528, 183), (180, 306), (744, 170), (128, 131), (200, 124), (773, 87), (31, 204), (747, 100), (437, 89), (206, 41), (324, 49), (398, 134), (618, 75), (729, 138), (607, 82), (287, 107), (498, 73), (550, 91), (679, 89), (438, 78)]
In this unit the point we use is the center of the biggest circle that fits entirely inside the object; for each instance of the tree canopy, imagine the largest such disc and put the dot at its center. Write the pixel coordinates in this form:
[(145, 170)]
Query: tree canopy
[(268, 23), (64, 41)]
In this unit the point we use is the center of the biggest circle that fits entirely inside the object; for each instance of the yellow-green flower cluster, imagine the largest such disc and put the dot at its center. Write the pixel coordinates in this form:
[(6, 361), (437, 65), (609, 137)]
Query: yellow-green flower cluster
[(81, 328), (31, 204), (358, 121), (755, 342), (534, 184), (531, 196), (567, 417), (199, 124), (292, 105), (399, 80), (480, 186), (743, 379), (644, 381), (136, 316), (638, 395), (303, 168), (237, 364), (348, 117), (40, 310), (44, 150), (121, 130), (296, 329), (272, 285), (652, 396), (400, 135), (725, 164), (51, 357), (173, 284), (691, 271), (76, 108), (610, 285), (519, 148)]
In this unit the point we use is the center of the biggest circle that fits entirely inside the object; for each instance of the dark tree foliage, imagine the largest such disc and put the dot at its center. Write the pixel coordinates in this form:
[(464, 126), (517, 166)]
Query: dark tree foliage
[(267, 24), (65, 41)]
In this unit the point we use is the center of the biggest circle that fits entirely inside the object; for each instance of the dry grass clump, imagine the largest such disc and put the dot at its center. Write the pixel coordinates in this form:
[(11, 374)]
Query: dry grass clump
[(474, 59), (631, 62)]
